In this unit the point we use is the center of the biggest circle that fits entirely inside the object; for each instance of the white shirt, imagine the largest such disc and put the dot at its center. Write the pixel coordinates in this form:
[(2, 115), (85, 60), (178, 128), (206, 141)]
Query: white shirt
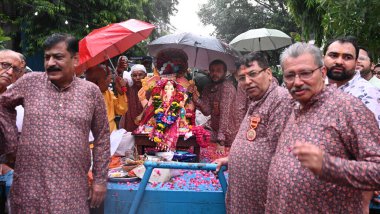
[(366, 92)]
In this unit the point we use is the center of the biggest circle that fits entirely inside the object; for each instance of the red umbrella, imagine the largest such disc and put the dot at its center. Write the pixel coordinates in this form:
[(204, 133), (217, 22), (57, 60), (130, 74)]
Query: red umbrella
[(109, 41)]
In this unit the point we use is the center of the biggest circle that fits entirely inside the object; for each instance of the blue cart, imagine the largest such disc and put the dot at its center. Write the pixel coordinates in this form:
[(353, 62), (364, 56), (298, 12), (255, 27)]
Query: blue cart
[(134, 198)]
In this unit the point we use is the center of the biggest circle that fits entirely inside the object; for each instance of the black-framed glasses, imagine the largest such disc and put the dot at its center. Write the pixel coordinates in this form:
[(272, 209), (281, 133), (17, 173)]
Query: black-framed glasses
[(6, 66), (251, 75), (303, 75)]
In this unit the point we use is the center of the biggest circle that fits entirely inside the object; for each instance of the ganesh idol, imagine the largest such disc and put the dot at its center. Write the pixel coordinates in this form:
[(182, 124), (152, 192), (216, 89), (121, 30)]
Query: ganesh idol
[(169, 112)]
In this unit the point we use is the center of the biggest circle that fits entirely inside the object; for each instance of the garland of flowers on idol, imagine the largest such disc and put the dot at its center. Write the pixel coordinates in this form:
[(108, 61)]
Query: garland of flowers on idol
[(202, 136), (164, 119)]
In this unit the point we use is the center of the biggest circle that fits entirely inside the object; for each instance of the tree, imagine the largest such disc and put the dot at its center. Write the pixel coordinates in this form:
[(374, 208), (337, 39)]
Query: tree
[(36, 19), (3, 38), (233, 17), (353, 17), (308, 15), (327, 19)]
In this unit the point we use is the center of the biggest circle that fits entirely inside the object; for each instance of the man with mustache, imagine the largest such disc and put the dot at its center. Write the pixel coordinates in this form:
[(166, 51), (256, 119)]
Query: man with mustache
[(340, 60), (364, 65), (216, 101), (52, 152), (329, 151), (256, 142)]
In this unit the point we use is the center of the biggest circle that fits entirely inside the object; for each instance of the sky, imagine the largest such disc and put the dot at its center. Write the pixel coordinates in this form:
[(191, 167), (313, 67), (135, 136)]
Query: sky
[(187, 20)]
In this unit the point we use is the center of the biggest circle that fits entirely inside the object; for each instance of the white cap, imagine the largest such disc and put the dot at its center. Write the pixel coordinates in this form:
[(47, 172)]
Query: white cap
[(138, 67)]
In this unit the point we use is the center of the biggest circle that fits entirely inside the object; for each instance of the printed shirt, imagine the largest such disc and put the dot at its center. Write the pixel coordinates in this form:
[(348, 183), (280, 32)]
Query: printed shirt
[(366, 92), (341, 126)]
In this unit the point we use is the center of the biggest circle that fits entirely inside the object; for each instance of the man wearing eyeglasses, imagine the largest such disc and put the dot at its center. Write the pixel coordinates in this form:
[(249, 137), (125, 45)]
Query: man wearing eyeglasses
[(255, 144), (10, 66), (376, 70), (364, 65), (329, 151)]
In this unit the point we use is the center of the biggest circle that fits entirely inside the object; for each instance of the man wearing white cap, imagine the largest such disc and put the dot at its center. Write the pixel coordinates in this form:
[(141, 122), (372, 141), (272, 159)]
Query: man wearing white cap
[(138, 72)]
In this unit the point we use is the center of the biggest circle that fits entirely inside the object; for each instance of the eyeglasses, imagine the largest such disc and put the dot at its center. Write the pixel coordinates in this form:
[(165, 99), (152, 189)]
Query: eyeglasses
[(251, 75), (303, 75), (6, 66)]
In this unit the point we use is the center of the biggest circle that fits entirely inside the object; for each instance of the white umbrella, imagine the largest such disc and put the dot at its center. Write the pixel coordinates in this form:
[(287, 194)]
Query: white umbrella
[(262, 39), (200, 50)]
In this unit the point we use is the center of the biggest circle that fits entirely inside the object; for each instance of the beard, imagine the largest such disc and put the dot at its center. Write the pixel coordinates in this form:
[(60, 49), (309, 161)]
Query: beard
[(344, 75), (365, 72)]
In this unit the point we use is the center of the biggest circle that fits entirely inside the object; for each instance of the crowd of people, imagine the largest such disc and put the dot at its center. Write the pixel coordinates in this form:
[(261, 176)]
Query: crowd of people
[(310, 145)]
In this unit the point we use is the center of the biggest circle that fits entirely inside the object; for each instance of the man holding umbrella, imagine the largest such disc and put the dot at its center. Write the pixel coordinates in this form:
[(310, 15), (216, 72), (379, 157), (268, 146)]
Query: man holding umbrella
[(216, 101)]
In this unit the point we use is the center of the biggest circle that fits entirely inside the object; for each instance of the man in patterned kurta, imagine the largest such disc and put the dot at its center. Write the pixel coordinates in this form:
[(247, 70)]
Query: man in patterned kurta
[(52, 153), (329, 151), (10, 66), (249, 158), (216, 101)]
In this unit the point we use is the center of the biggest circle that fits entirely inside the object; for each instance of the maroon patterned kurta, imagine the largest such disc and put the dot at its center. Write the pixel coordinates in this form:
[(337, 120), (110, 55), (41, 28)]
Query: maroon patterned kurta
[(239, 109), (216, 101), (347, 132), (53, 154), (249, 161)]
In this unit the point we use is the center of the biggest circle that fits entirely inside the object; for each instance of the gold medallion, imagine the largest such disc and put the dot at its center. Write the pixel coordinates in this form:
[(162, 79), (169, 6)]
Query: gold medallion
[(251, 134)]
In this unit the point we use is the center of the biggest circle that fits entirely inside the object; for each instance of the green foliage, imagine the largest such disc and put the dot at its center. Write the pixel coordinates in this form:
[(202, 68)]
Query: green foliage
[(233, 17), (37, 19), (354, 17), (308, 14), (3, 38), (327, 19)]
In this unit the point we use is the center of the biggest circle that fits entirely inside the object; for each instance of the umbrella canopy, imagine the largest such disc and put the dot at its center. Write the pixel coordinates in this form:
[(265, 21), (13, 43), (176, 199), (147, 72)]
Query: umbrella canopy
[(109, 41), (200, 50), (262, 39)]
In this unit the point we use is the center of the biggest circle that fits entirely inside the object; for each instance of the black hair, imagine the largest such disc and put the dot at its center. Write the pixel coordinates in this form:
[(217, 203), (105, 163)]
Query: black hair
[(71, 42), (218, 62), (259, 56), (366, 50), (347, 39)]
